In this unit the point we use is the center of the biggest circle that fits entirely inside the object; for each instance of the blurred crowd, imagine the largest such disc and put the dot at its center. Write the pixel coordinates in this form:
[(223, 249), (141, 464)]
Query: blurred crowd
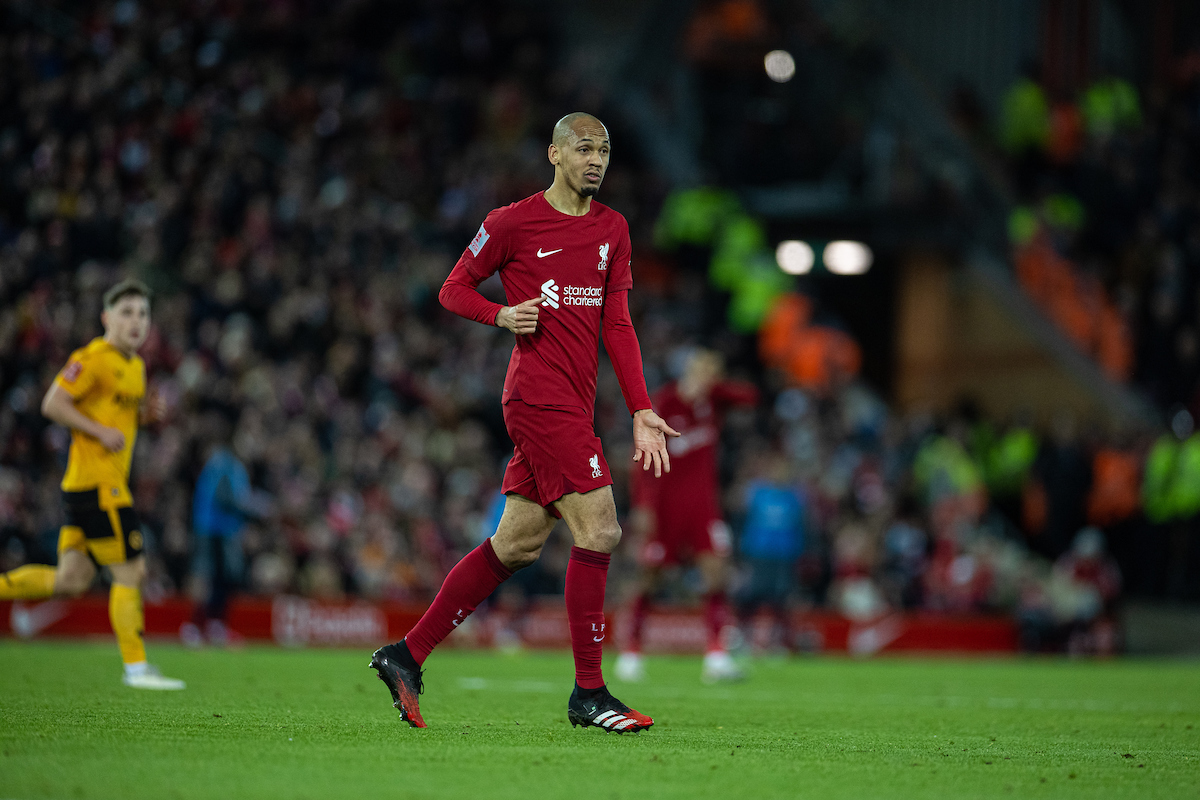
[(1106, 234), (296, 186), (295, 183), (955, 515)]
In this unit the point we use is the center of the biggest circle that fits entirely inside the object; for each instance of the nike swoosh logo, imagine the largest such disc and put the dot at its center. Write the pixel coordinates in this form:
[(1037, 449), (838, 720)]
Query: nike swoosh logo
[(870, 639), (597, 638), (548, 252), (28, 622)]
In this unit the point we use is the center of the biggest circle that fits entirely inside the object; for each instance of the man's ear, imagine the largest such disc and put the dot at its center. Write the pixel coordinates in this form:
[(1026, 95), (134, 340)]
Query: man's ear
[(552, 154)]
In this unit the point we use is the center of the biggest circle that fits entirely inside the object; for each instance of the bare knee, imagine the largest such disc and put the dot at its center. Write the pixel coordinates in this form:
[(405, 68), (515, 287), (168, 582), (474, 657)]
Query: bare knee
[(72, 582), (601, 538), (592, 518), (517, 555), (131, 573), (522, 531), (517, 551)]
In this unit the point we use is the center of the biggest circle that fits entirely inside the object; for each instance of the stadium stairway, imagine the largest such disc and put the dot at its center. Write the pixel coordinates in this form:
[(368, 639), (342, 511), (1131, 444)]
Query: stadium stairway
[(630, 50), (988, 272), (910, 101), (967, 330)]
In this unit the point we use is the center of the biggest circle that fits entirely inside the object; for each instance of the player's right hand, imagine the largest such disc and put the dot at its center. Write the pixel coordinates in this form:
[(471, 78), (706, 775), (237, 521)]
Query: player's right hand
[(522, 318), (112, 439)]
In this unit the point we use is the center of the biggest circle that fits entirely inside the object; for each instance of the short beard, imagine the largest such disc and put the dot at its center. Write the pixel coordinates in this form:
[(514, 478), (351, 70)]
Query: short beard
[(589, 190)]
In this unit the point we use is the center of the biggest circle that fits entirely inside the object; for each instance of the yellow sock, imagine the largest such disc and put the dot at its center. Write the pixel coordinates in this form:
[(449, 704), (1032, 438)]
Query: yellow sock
[(125, 613), (30, 582)]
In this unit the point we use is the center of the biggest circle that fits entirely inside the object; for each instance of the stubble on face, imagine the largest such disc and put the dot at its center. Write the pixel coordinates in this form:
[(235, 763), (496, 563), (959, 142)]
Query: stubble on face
[(595, 131)]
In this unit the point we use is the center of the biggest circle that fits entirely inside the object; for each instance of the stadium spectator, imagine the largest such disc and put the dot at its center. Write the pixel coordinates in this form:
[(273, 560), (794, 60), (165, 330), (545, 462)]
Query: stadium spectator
[(1064, 474), (905, 558), (771, 540), (1091, 585), (950, 481), (1007, 461), (222, 502), (1171, 494), (1114, 503)]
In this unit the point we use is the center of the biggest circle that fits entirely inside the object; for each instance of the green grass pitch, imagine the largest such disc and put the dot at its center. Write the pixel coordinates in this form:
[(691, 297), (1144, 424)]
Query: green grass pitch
[(268, 722)]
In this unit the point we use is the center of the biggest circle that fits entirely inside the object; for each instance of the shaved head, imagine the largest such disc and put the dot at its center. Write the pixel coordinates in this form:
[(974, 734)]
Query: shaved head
[(577, 125), (579, 152)]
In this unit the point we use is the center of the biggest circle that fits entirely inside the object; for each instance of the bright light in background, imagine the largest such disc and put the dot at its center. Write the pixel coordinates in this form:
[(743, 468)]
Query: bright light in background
[(780, 65), (847, 258), (794, 257)]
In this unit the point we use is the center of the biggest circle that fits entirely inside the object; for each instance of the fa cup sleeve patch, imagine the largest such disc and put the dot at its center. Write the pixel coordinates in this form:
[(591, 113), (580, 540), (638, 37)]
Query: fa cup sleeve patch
[(479, 241), (72, 372)]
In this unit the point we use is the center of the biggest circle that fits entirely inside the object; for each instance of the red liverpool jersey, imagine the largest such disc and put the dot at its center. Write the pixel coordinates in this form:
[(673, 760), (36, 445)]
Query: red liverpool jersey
[(576, 263), (689, 496)]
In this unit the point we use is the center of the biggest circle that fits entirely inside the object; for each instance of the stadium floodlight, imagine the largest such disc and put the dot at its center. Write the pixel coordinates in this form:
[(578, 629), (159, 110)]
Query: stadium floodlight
[(780, 66), (847, 258), (795, 257)]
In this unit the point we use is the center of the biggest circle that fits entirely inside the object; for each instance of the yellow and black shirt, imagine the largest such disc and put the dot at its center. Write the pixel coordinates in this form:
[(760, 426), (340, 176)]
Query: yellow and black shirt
[(108, 387)]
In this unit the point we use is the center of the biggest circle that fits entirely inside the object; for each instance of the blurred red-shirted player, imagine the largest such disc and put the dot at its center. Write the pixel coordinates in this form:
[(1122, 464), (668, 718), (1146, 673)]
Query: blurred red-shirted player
[(565, 263), (677, 519)]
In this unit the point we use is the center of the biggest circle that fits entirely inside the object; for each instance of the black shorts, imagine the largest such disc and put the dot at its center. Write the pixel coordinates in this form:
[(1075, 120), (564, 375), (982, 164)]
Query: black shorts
[(101, 524)]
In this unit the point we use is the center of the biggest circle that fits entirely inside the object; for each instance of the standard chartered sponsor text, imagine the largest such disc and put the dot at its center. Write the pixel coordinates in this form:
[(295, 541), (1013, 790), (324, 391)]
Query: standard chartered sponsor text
[(583, 295)]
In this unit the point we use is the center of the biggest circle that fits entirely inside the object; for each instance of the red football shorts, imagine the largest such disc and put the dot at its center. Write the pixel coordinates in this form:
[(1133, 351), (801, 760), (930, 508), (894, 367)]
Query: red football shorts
[(678, 540), (556, 452)]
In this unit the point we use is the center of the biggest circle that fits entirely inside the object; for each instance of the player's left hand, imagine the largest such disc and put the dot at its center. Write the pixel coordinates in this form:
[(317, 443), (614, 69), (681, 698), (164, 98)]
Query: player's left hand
[(650, 432)]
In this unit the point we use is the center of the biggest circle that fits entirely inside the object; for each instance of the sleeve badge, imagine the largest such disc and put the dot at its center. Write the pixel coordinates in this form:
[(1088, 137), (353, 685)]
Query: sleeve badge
[(479, 241)]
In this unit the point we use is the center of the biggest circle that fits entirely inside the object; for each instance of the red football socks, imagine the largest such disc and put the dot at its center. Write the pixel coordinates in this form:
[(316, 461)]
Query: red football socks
[(714, 619), (467, 585), (587, 572)]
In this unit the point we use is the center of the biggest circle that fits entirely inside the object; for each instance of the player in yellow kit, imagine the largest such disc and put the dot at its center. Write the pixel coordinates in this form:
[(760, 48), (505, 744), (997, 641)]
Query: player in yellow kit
[(100, 395)]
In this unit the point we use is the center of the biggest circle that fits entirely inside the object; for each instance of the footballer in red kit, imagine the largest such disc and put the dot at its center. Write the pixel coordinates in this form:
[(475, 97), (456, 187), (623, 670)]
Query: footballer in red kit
[(565, 262), (678, 520), (580, 266)]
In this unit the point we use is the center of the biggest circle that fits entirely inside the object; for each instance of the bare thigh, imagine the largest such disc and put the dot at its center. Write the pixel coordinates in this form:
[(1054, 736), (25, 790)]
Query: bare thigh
[(74, 573), (130, 573), (592, 518), (522, 531)]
